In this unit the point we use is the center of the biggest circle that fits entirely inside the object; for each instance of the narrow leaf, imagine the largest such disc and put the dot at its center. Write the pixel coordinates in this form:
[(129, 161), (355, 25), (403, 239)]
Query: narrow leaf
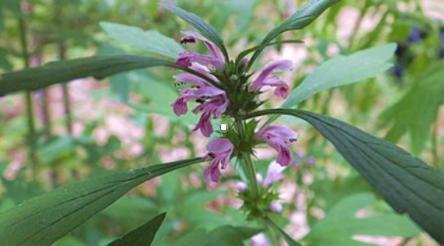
[(150, 40), (204, 28), (408, 184), (300, 19), (143, 235), (343, 70), (59, 72), (46, 218)]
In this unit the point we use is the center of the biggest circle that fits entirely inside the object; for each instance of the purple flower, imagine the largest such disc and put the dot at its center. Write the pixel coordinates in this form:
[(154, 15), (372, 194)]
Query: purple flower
[(259, 240), (276, 206), (274, 174), (279, 137), (266, 78), (212, 101), (213, 60), (219, 151)]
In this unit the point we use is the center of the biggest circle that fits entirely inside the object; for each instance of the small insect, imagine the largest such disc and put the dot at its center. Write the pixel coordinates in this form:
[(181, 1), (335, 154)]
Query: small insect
[(187, 40)]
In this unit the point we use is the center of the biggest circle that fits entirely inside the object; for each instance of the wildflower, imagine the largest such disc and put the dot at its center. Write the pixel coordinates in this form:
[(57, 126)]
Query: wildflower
[(279, 137), (214, 60), (266, 78), (220, 151), (213, 101)]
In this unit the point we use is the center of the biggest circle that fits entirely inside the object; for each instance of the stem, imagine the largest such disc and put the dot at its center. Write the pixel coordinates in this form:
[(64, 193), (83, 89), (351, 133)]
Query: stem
[(249, 169), (290, 241), (66, 97), (251, 174), (46, 114), (62, 53), (28, 97)]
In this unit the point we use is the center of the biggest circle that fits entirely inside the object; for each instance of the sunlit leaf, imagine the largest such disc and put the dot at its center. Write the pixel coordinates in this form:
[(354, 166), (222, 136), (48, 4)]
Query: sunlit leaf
[(143, 235), (408, 184), (418, 109), (343, 70), (150, 40), (341, 224), (46, 218), (59, 72)]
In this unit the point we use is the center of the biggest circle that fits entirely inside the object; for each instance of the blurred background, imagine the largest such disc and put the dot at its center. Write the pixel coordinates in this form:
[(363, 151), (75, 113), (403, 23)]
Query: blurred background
[(77, 130)]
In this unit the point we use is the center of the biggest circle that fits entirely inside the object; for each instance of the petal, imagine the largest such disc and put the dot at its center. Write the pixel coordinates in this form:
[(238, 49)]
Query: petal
[(191, 79), (214, 50), (284, 156), (180, 106), (212, 173), (274, 173), (220, 145), (282, 65), (204, 125)]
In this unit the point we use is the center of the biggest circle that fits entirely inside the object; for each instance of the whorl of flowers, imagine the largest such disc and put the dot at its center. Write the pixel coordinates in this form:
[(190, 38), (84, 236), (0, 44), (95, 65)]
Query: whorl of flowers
[(225, 89)]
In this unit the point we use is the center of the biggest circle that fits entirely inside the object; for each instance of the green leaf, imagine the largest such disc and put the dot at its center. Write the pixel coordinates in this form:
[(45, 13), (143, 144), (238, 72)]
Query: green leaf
[(341, 224), (143, 235), (300, 19), (408, 184), (205, 29), (150, 40), (222, 236), (417, 110), (343, 70), (59, 72), (46, 218)]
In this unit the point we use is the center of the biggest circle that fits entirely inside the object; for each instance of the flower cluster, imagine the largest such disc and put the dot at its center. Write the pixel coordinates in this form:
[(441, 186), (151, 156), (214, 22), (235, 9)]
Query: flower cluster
[(215, 86)]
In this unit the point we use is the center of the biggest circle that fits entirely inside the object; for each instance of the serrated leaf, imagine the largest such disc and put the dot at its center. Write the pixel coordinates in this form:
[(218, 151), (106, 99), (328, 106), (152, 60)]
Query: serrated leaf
[(150, 40), (408, 184), (341, 224), (143, 235), (222, 236), (204, 28), (343, 70), (59, 72), (46, 218), (300, 19), (417, 110)]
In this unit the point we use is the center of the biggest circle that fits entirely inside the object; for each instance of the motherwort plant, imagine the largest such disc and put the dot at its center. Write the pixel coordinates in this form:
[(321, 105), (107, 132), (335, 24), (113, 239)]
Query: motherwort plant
[(224, 87)]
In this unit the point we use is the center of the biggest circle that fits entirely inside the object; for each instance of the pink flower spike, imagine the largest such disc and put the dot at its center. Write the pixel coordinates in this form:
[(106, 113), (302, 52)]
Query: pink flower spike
[(279, 137), (219, 151)]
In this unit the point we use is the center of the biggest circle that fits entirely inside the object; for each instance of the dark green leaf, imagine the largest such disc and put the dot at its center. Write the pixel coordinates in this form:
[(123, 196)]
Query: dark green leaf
[(222, 236), (205, 29), (341, 224), (408, 184), (343, 70), (143, 235), (59, 72), (44, 219), (150, 40), (300, 19), (418, 109)]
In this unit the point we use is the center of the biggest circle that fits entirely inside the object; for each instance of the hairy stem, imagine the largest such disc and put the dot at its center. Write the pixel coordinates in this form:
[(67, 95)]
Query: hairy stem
[(248, 166)]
